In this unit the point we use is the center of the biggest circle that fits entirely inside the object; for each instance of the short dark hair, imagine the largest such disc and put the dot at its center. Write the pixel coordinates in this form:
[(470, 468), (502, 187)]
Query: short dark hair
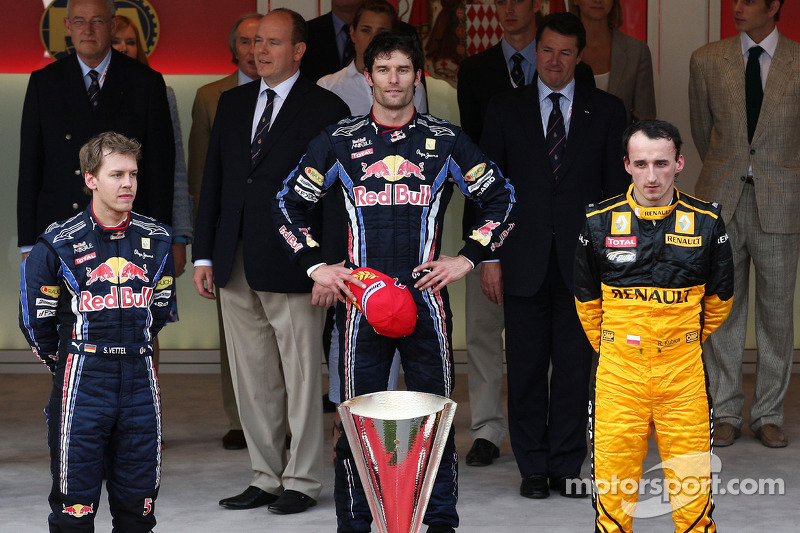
[(94, 152), (564, 23), (777, 13), (653, 129), (299, 27), (232, 33), (385, 43), (376, 6)]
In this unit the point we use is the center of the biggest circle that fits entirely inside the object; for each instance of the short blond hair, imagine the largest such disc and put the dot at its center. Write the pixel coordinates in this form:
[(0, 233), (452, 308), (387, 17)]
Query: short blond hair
[(95, 151)]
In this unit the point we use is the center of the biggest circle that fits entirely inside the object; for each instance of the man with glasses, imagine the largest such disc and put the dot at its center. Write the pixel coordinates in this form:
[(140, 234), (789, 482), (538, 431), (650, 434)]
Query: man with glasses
[(96, 89)]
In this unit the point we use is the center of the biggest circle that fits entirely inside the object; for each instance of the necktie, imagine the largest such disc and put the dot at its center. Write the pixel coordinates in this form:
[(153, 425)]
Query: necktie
[(94, 89), (517, 75), (349, 52), (753, 91), (556, 135), (262, 129)]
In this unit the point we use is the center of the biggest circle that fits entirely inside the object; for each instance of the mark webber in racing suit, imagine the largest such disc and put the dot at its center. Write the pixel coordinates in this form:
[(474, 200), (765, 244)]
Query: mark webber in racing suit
[(653, 279), (93, 296), (396, 169)]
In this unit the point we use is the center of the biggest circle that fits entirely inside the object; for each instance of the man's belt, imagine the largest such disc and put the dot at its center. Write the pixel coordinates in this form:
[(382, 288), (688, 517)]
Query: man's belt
[(112, 351)]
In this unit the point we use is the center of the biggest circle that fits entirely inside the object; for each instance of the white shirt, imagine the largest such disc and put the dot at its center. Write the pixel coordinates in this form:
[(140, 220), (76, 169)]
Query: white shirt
[(351, 86), (769, 44), (101, 69), (281, 93), (565, 103)]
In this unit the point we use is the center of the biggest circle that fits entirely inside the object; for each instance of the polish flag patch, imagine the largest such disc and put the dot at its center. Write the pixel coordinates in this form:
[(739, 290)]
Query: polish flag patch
[(634, 339)]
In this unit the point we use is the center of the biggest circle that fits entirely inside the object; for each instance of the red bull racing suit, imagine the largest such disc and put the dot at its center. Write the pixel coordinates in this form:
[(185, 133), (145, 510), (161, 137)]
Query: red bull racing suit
[(651, 284), (91, 301), (397, 183)]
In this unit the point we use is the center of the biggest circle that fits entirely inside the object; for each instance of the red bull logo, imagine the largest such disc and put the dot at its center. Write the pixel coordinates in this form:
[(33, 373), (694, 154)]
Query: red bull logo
[(78, 510), (392, 168), (116, 270), (118, 298), (393, 195), (484, 234), (290, 238)]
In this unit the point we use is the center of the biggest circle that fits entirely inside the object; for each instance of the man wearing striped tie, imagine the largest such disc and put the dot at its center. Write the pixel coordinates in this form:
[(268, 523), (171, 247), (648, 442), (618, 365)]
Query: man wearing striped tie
[(273, 330), (68, 102), (560, 145)]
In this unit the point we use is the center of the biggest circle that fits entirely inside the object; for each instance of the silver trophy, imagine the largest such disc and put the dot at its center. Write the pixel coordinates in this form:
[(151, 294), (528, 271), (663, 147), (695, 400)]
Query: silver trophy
[(397, 439)]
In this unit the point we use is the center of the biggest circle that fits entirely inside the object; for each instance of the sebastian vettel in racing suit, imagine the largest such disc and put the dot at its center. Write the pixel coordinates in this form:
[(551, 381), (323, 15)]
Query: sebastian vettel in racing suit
[(396, 169), (653, 279), (94, 292)]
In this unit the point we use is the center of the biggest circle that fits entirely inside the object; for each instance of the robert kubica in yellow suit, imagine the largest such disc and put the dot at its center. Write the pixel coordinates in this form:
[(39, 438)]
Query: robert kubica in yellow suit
[(653, 278)]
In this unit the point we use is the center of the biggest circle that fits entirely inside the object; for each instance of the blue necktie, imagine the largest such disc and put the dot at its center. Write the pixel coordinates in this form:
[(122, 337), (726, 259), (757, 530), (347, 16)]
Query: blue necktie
[(262, 129), (517, 74), (556, 135), (94, 90)]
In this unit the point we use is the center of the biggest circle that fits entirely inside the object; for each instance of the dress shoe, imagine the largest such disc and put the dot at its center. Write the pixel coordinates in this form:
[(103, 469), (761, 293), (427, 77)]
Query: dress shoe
[(725, 433), (292, 502), (251, 498), (482, 453), (234, 440), (571, 486), (535, 487), (772, 436), (436, 528), (327, 405)]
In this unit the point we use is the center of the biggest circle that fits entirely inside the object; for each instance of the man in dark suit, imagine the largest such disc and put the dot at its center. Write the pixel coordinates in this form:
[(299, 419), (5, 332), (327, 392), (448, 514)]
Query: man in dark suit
[(511, 63), (330, 47), (576, 162), (68, 102), (273, 331)]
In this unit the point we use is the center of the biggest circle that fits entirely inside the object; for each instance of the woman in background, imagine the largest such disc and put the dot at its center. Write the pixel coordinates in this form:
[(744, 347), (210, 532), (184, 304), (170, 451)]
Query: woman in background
[(128, 41), (622, 65)]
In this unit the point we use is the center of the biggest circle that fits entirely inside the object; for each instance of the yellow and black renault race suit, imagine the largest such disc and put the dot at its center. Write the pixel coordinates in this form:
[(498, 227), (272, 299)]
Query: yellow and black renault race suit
[(651, 283)]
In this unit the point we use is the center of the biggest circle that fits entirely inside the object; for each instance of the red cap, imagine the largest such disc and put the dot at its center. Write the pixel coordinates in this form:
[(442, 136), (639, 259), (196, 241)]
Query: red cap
[(386, 303)]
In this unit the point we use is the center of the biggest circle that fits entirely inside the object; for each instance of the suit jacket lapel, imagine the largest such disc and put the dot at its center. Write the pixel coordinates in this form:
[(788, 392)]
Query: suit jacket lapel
[(533, 127), (579, 127), (244, 131), (497, 68), (285, 117), (733, 68), (780, 72), (112, 94), (76, 98)]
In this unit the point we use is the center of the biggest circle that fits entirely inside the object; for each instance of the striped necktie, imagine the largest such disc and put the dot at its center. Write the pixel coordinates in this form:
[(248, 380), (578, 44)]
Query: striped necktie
[(517, 74), (556, 135), (262, 129), (94, 89)]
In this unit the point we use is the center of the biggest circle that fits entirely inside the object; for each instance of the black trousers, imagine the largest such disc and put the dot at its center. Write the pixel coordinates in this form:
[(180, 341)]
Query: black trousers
[(547, 415)]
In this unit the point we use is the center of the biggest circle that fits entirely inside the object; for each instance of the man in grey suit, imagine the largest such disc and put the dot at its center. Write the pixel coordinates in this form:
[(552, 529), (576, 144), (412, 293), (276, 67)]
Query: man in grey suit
[(746, 125), (241, 41)]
